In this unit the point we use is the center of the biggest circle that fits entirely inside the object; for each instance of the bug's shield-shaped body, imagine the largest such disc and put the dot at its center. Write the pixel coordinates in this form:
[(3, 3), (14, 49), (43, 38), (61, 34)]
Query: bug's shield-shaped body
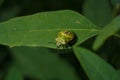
[(64, 37)]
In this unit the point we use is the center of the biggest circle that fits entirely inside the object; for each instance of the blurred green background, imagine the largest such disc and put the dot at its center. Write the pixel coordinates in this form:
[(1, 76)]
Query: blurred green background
[(100, 12)]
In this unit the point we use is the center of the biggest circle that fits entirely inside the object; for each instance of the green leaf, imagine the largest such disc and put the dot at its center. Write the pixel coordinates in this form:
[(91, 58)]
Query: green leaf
[(98, 11), (95, 67), (117, 76), (118, 72), (14, 74), (106, 32), (43, 64), (41, 29)]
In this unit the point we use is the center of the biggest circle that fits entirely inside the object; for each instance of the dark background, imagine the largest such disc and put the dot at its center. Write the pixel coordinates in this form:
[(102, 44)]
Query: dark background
[(13, 8)]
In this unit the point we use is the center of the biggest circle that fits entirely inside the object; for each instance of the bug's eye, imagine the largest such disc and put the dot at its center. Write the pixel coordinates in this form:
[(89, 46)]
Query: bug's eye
[(65, 38)]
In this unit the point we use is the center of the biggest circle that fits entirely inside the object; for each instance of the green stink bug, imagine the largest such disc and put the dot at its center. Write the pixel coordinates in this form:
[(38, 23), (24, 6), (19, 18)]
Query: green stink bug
[(65, 38)]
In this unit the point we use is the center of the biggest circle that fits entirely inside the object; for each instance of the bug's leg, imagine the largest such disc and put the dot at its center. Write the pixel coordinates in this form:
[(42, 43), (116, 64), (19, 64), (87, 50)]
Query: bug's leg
[(58, 46), (59, 51), (63, 46)]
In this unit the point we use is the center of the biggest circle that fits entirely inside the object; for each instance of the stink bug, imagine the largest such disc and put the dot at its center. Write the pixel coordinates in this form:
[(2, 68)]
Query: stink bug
[(65, 39)]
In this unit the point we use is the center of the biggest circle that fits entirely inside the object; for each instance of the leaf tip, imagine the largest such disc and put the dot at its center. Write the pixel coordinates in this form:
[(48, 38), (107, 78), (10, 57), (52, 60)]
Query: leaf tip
[(97, 44)]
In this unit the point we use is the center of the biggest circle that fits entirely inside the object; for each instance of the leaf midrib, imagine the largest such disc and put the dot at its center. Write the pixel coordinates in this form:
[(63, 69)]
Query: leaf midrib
[(44, 30)]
